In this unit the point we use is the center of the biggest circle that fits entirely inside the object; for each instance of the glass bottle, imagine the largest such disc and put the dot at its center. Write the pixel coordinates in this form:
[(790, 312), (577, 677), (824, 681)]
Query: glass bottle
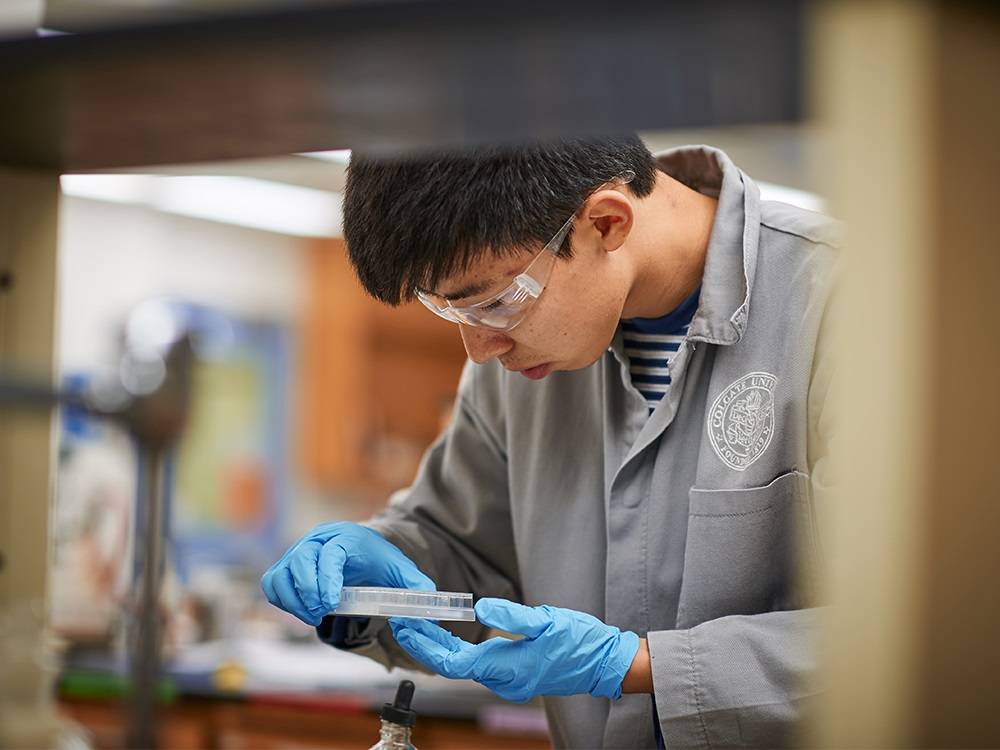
[(397, 721)]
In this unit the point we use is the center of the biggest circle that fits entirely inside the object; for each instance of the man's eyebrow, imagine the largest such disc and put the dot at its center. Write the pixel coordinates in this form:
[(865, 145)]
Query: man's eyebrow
[(478, 287), (469, 290)]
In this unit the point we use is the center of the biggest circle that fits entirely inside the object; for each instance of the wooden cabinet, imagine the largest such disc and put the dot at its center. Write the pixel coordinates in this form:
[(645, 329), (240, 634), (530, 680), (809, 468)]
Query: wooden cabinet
[(376, 382)]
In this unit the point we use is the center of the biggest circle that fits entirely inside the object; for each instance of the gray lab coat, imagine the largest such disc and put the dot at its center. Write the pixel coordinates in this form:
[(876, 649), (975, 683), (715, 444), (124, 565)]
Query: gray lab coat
[(683, 526)]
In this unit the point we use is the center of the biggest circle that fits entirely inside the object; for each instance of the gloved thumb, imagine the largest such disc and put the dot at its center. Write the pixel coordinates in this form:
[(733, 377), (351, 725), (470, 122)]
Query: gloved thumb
[(399, 569), (410, 577), (512, 617)]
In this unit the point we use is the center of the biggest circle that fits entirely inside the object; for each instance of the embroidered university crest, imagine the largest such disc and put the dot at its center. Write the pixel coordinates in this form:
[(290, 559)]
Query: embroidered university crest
[(741, 420)]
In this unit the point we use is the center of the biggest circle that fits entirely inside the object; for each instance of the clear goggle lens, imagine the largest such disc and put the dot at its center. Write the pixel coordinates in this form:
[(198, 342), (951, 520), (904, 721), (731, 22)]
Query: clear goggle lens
[(505, 310)]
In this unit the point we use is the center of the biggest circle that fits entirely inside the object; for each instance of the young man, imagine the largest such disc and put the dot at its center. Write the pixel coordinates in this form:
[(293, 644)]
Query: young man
[(638, 449)]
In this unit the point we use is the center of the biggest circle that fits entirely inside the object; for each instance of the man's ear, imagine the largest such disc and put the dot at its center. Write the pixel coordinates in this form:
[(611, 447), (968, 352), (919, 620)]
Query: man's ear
[(611, 214)]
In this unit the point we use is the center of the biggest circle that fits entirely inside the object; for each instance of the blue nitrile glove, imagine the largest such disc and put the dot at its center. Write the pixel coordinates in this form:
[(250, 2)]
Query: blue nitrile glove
[(563, 652), (306, 581)]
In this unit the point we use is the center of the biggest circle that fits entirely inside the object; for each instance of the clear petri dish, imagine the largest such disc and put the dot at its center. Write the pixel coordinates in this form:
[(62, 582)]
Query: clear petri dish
[(378, 601)]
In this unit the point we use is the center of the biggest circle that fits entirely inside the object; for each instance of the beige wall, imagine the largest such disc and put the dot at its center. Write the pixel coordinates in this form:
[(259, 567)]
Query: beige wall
[(908, 92), (28, 212), (28, 220)]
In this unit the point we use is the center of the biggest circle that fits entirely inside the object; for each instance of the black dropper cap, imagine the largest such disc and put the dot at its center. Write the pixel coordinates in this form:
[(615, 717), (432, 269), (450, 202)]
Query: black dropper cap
[(399, 711)]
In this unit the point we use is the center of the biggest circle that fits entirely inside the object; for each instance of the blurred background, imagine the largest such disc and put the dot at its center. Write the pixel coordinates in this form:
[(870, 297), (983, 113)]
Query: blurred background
[(310, 403), (183, 160)]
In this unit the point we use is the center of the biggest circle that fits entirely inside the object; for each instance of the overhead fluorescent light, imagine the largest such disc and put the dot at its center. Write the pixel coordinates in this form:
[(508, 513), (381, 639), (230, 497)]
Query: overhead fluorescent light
[(342, 157), (243, 201), (271, 206)]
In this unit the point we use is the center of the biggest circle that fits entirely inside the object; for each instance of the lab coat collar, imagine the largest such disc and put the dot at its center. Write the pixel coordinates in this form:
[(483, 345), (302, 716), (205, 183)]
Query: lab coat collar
[(731, 260)]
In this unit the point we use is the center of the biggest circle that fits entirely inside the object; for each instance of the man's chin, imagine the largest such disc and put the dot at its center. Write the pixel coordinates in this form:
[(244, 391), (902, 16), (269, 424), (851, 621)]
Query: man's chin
[(537, 372)]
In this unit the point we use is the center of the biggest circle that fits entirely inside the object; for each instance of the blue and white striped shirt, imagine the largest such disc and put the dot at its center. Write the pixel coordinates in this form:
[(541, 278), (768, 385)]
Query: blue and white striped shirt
[(651, 343)]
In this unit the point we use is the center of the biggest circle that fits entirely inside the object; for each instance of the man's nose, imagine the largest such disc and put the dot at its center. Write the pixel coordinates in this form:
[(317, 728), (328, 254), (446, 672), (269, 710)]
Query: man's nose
[(483, 344)]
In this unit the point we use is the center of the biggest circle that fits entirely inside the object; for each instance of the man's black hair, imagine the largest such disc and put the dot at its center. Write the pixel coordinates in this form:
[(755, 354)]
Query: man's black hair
[(411, 222)]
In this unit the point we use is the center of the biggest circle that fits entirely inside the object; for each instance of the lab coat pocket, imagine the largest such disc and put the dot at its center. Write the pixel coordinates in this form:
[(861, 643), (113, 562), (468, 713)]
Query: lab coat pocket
[(742, 549)]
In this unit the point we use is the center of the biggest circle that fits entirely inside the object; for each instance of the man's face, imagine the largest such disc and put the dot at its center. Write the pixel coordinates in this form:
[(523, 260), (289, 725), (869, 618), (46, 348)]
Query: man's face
[(568, 327)]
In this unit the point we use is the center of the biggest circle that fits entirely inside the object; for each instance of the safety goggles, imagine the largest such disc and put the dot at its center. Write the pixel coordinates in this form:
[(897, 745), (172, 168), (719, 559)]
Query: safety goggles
[(504, 311)]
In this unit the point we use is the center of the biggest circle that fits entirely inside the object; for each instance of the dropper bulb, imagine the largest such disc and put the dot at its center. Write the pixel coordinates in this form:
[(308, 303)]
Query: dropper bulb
[(404, 695), (399, 711)]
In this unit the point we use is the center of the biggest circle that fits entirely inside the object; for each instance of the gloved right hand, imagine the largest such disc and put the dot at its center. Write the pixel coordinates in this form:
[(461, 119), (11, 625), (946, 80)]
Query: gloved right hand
[(306, 581)]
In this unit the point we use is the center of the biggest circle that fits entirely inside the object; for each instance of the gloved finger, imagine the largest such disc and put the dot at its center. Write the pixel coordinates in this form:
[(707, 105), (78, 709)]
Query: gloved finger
[(401, 622), (267, 585), (431, 630), (455, 664), (330, 574), (513, 617), (288, 597), (305, 576), (500, 663)]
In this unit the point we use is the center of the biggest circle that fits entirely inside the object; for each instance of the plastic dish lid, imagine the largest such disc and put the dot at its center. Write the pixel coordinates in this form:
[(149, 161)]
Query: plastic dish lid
[(377, 601)]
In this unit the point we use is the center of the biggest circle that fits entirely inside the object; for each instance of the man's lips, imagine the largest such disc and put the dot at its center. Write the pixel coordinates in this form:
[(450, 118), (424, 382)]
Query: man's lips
[(537, 372)]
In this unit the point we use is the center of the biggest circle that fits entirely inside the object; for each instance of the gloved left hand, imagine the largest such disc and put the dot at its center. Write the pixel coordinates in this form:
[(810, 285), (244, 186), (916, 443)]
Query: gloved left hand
[(563, 652)]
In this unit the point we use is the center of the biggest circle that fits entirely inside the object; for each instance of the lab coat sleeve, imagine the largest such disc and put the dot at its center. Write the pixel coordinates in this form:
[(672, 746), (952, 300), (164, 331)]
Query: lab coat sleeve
[(750, 680), (453, 521)]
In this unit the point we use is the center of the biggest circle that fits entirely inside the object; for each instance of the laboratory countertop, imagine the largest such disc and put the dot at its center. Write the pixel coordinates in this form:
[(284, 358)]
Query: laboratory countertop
[(255, 689), (192, 722)]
